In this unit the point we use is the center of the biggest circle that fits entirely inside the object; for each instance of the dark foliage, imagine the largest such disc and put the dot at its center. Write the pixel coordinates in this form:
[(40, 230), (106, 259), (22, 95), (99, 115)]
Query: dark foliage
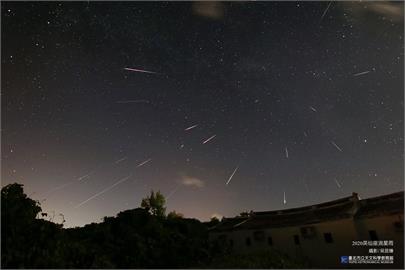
[(137, 238), (26, 241)]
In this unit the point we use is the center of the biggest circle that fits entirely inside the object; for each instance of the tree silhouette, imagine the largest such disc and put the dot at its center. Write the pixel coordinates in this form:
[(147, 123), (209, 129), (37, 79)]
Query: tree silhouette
[(155, 204), (174, 214), (16, 204), (134, 238), (26, 240)]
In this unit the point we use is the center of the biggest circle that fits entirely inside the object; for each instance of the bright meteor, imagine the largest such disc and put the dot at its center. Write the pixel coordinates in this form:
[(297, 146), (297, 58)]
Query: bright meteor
[(104, 190), (194, 126), (140, 70), (209, 139), (230, 177)]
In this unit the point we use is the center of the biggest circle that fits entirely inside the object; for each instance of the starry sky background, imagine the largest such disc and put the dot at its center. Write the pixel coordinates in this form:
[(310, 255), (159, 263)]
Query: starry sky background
[(305, 100)]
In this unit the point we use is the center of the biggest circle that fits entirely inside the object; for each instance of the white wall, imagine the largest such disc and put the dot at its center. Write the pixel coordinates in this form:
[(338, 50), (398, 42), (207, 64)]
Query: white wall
[(316, 249)]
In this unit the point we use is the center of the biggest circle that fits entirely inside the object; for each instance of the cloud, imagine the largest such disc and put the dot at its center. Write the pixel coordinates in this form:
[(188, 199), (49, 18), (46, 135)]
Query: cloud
[(210, 9), (192, 182), (391, 10), (216, 215)]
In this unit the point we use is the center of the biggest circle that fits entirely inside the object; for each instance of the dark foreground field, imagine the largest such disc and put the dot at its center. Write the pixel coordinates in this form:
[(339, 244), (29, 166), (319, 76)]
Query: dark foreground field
[(136, 238)]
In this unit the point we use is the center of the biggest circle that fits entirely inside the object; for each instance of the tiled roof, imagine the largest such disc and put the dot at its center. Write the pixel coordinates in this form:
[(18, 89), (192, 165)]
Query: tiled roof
[(348, 207), (382, 205), (228, 224), (325, 205)]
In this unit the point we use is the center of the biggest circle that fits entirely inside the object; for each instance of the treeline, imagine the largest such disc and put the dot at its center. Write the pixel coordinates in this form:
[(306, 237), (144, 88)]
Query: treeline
[(139, 238)]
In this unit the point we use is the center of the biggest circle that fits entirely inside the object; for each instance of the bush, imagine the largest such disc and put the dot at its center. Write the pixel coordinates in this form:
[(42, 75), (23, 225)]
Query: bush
[(137, 238)]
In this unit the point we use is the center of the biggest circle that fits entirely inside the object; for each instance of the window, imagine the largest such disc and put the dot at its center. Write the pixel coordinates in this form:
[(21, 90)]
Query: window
[(269, 241), (248, 242), (296, 239), (259, 236), (308, 232), (328, 237), (373, 235)]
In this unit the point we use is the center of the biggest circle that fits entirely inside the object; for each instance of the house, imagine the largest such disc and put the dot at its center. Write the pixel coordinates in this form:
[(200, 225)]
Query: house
[(323, 234)]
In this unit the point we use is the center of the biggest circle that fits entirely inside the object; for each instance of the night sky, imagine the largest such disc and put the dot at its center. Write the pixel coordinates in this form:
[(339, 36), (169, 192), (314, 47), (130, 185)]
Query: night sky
[(223, 107)]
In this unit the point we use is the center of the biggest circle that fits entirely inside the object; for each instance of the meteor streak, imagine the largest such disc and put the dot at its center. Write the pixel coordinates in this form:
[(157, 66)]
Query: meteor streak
[(122, 159), (144, 162), (312, 108), (57, 188), (337, 147), (85, 176), (191, 127), (104, 190), (209, 139), (337, 183), (140, 70), (286, 152), (172, 193), (49, 192), (230, 177), (326, 10), (361, 73)]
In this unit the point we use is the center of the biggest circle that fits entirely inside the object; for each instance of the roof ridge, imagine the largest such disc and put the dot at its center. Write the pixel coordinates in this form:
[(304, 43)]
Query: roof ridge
[(308, 207)]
